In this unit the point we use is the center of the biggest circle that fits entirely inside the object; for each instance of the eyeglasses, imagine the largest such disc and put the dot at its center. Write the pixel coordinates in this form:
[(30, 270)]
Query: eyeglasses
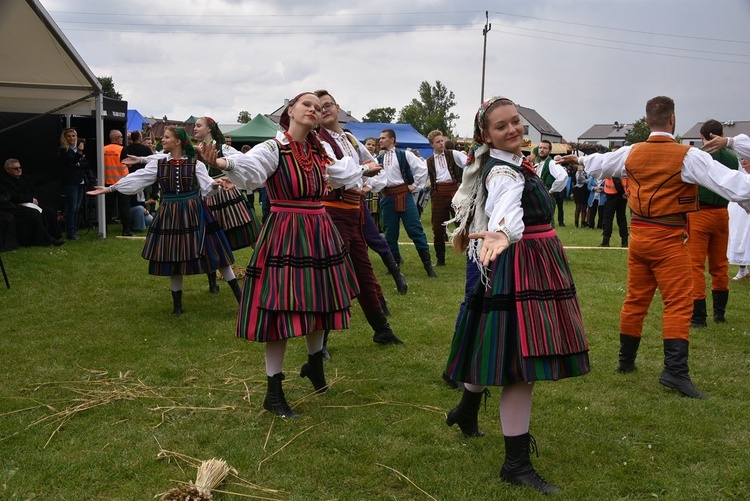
[(327, 106)]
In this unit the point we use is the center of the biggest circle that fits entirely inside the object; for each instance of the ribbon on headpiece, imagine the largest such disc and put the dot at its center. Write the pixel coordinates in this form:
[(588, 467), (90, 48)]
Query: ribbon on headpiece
[(216, 133)]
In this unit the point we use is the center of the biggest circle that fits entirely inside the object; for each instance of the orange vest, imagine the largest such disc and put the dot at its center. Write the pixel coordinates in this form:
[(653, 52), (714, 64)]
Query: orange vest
[(656, 188), (609, 186), (114, 170)]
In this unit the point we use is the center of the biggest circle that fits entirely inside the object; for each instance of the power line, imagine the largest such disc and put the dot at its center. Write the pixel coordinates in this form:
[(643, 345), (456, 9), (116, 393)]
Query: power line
[(234, 16), (221, 30)]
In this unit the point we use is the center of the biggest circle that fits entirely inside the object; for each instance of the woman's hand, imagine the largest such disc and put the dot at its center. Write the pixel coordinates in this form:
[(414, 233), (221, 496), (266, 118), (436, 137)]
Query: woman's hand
[(495, 242), (207, 154), (98, 190)]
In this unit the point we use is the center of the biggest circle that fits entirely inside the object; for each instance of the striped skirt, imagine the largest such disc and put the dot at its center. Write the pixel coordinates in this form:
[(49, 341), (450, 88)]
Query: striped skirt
[(300, 277), (239, 222), (527, 325), (185, 239)]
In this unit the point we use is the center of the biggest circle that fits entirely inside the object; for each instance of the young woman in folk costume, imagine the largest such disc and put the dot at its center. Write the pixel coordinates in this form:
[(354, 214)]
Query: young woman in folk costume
[(184, 238), (300, 280), (229, 207), (522, 323)]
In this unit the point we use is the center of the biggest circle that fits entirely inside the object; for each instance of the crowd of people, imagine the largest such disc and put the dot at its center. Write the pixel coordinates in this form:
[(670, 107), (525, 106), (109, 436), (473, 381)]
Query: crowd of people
[(329, 197)]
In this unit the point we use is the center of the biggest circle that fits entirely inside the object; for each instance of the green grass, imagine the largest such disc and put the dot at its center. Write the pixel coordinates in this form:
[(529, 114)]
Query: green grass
[(88, 312)]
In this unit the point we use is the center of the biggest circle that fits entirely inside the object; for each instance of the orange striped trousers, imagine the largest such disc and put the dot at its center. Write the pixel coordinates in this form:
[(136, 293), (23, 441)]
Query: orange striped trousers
[(709, 237), (658, 257)]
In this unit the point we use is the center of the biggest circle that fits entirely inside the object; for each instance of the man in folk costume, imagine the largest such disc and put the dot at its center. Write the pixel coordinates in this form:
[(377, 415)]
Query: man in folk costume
[(405, 173), (344, 206), (708, 229), (554, 176), (663, 177), (444, 168)]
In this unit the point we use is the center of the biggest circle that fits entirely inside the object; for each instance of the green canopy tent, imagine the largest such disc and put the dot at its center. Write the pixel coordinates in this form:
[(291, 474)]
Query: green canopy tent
[(255, 131)]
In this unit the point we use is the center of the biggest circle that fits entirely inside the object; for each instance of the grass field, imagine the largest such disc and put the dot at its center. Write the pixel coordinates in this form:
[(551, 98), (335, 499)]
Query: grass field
[(96, 378)]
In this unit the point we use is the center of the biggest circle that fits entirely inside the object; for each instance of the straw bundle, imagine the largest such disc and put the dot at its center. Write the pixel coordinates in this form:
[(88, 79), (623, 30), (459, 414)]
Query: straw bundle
[(210, 474)]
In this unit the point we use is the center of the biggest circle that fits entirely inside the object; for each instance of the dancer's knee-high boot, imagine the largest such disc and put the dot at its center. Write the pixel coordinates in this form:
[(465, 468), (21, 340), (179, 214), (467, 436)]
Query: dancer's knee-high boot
[(313, 370), (213, 287), (517, 468), (395, 271), (235, 286), (466, 413), (177, 302), (275, 402)]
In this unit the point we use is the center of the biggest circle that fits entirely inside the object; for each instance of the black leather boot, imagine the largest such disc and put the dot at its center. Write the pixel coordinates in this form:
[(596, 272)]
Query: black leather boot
[(605, 242), (424, 255), (466, 414), (390, 262), (440, 253), (624, 242), (384, 306), (236, 289), (698, 319), (517, 468), (177, 302), (628, 351), (397, 257), (326, 355), (313, 370), (720, 305), (213, 287), (275, 402), (383, 333), (675, 373)]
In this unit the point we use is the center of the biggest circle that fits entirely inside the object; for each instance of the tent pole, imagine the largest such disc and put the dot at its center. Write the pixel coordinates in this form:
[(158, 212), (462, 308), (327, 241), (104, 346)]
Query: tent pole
[(100, 204)]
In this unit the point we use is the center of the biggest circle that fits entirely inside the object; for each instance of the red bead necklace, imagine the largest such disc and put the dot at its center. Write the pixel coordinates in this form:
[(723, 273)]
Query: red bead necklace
[(302, 152)]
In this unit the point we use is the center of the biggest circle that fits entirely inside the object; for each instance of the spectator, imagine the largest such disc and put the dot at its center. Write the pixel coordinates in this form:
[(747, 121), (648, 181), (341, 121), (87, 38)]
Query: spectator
[(73, 167)]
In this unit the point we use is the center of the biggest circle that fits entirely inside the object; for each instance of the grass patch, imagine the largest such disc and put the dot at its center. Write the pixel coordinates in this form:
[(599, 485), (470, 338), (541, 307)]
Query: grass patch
[(85, 324)]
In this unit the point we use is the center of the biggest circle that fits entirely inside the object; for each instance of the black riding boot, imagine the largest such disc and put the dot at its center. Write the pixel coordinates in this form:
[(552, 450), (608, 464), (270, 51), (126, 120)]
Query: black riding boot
[(236, 289), (383, 333), (605, 242), (384, 306), (390, 262), (213, 287), (675, 373), (397, 257), (466, 414), (313, 370), (628, 351), (326, 355), (424, 255), (440, 253), (518, 469), (275, 402), (720, 305), (698, 319), (177, 301)]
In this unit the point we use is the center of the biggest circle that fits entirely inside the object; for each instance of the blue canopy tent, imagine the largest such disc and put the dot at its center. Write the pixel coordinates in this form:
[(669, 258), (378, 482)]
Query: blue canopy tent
[(406, 135), (135, 121)]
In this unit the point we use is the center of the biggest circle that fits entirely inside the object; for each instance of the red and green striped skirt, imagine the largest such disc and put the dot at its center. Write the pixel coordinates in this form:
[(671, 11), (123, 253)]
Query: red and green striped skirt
[(527, 325), (185, 239), (300, 277), (239, 222)]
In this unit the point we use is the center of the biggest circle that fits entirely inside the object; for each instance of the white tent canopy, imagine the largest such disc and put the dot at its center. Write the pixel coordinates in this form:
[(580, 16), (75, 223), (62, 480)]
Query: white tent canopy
[(42, 73)]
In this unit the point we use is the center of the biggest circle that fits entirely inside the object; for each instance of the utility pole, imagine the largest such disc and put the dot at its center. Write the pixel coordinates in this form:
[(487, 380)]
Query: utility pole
[(485, 30)]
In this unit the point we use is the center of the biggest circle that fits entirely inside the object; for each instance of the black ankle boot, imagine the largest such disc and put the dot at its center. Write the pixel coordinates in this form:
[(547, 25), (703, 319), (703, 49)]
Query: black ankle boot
[(313, 370), (628, 351), (720, 305), (384, 306), (698, 319), (177, 302), (517, 468), (466, 413), (275, 402), (213, 287), (236, 289), (424, 255), (390, 262), (675, 373), (383, 332), (605, 242)]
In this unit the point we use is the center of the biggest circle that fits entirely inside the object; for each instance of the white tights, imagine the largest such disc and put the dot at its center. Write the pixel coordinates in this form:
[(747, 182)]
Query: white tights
[(515, 407), (275, 351), (175, 281)]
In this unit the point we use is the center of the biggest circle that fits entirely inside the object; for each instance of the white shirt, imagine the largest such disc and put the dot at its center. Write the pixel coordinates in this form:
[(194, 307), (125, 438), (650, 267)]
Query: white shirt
[(504, 189), (393, 171), (442, 174), (557, 171), (740, 144), (360, 154), (698, 167), (136, 181)]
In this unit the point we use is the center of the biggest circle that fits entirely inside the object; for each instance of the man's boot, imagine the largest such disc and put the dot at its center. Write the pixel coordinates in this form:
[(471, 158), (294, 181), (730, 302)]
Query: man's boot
[(235, 286), (628, 351), (439, 253), (275, 402), (675, 373), (424, 255), (390, 262), (213, 287), (383, 332), (698, 319), (398, 258), (624, 242), (313, 370), (466, 414), (720, 305), (177, 303), (384, 306), (517, 468), (605, 242)]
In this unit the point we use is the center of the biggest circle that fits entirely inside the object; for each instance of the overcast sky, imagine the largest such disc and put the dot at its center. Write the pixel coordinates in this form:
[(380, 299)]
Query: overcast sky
[(576, 62)]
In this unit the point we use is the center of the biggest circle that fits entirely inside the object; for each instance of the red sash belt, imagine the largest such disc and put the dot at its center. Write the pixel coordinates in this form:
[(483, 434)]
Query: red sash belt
[(538, 231), (400, 192), (451, 187), (298, 207)]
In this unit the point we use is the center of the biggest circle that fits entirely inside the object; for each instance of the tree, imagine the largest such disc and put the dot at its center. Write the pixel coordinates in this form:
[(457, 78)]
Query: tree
[(244, 117), (638, 133), (108, 87), (380, 115), (432, 110)]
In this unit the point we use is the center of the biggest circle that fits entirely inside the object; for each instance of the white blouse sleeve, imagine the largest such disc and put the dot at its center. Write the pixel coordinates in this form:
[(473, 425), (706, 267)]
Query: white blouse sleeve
[(503, 205), (345, 172), (204, 180), (740, 144), (560, 175), (418, 168), (249, 171), (605, 165), (136, 181)]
